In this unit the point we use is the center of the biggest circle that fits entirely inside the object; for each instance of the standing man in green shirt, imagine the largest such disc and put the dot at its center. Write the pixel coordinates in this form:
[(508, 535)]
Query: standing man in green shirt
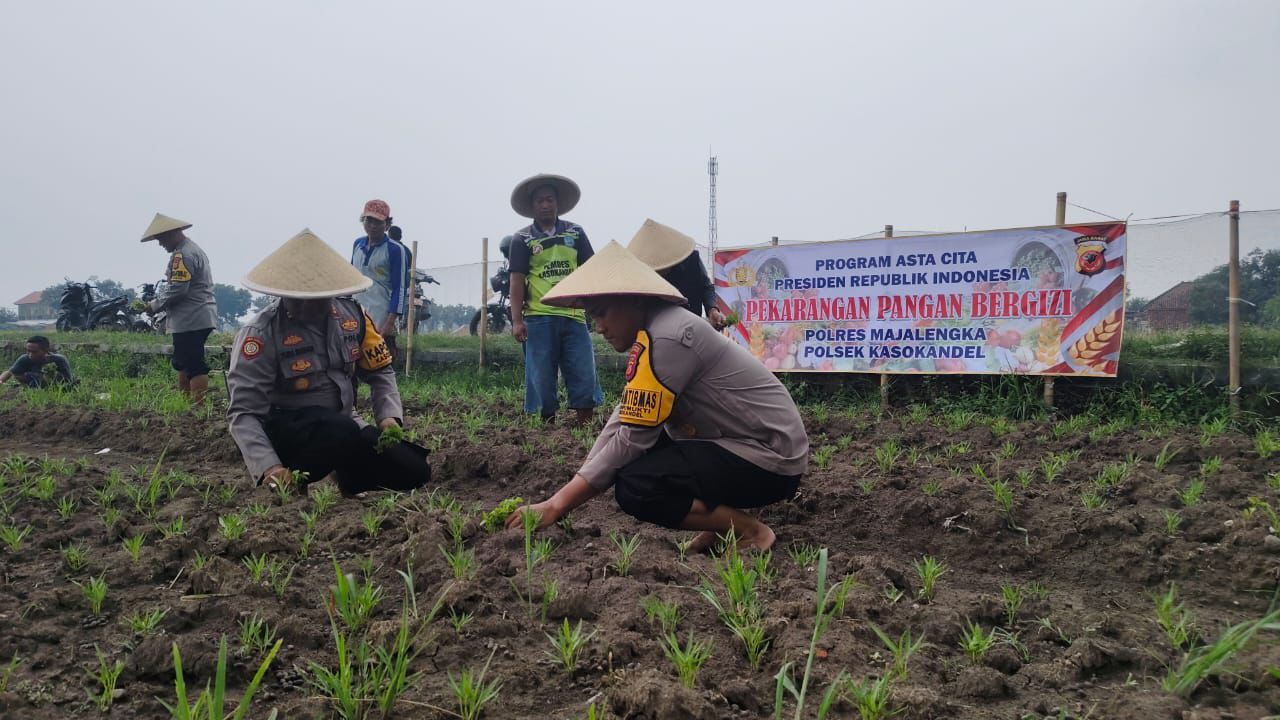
[(555, 338)]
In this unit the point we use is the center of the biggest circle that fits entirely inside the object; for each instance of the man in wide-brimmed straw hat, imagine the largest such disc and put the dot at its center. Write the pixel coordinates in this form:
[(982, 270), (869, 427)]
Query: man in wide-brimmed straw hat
[(675, 257), (555, 338), (187, 299), (702, 429), (292, 378)]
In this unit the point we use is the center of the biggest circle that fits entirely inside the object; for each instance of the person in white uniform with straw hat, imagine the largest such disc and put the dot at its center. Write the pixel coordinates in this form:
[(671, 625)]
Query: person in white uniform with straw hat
[(188, 300), (292, 376), (702, 430)]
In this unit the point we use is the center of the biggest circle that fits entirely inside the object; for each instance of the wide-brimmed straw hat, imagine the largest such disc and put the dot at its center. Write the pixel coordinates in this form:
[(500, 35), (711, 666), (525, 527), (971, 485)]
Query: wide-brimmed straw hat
[(305, 268), (659, 246), (162, 224), (612, 271), (567, 193)]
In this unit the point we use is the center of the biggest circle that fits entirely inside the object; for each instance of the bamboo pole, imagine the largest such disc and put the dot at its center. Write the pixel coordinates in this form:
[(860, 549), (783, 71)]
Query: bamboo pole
[(1233, 311), (884, 376), (411, 318), (1059, 219), (484, 299)]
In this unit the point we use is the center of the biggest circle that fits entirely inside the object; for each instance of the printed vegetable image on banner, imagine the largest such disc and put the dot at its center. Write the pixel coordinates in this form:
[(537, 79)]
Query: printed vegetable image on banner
[(1031, 301)]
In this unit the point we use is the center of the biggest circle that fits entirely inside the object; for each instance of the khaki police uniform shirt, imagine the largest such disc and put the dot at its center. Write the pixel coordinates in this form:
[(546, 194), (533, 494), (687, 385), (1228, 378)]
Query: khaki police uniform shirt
[(188, 293), (688, 380), (278, 362)]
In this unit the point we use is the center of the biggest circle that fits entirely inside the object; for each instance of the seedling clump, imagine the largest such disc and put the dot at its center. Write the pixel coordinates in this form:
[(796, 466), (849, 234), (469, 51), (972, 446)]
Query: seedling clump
[(743, 611), (688, 659), (496, 519), (388, 438), (472, 692), (626, 550), (95, 591), (106, 674), (929, 569), (144, 623), (568, 644), (667, 614), (803, 555), (975, 642)]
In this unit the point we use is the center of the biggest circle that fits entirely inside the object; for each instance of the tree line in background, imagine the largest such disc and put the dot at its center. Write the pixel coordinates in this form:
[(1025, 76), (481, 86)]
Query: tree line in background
[(232, 302), (1259, 289)]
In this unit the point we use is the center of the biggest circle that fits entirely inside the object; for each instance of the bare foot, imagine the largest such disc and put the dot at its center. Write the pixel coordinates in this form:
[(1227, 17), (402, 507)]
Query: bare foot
[(760, 537), (703, 541)]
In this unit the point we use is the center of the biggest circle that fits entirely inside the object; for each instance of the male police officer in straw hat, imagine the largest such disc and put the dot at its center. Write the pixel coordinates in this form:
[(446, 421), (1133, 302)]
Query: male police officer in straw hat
[(188, 299), (702, 430), (291, 377)]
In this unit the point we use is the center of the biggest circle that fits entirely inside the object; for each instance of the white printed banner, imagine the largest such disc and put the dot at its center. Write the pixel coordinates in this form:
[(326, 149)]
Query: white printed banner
[(1031, 301)]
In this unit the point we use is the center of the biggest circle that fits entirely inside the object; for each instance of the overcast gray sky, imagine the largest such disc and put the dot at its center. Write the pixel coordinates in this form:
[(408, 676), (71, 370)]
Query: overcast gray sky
[(256, 119)]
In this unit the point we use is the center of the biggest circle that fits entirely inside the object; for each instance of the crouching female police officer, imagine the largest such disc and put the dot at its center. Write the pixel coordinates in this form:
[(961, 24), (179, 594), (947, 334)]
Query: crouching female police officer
[(702, 430), (291, 378)]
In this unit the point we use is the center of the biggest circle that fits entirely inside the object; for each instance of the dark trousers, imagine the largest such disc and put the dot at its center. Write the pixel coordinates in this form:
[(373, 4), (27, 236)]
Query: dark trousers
[(319, 441), (661, 485), (188, 352)]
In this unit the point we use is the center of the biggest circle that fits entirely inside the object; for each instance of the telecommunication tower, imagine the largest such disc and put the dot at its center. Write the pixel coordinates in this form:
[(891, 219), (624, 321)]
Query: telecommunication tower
[(713, 169)]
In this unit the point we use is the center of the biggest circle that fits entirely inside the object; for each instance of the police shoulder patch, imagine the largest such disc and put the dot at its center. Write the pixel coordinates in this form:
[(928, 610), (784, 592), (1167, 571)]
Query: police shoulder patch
[(178, 271), (251, 347), (637, 349), (645, 400)]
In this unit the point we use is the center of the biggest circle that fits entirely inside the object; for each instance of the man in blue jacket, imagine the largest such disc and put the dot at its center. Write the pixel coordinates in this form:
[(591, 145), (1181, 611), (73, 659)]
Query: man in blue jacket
[(383, 261)]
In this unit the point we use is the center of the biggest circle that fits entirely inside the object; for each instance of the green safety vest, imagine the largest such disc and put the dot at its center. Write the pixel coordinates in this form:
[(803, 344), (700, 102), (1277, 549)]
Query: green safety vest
[(551, 259)]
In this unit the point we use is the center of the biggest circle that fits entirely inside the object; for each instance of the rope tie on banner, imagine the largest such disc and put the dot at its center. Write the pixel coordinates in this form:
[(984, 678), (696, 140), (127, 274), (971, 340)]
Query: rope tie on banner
[(1241, 300)]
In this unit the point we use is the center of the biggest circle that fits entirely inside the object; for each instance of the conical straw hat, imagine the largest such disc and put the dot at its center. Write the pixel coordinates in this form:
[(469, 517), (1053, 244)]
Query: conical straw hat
[(305, 268), (659, 246), (567, 193), (612, 271), (163, 224)]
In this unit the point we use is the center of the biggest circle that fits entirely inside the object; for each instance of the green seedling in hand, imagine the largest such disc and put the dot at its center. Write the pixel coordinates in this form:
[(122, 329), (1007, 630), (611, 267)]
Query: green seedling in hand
[(496, 519)]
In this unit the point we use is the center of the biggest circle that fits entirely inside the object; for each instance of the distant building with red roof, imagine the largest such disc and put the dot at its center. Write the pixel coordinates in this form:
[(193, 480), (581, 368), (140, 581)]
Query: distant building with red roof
[(31, 307), (1171, 309)]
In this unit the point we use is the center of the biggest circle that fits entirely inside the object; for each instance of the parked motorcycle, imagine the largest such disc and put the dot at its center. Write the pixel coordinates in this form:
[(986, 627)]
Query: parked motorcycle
[(78, 310), (421, 305), (499, 310)]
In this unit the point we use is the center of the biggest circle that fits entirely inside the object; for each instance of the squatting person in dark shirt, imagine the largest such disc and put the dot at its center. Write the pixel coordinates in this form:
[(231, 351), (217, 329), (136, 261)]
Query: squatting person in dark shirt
[(39, 367)]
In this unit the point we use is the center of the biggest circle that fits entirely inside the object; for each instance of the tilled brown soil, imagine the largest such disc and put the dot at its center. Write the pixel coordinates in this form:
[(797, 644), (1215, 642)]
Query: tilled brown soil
[(1098, 651)]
